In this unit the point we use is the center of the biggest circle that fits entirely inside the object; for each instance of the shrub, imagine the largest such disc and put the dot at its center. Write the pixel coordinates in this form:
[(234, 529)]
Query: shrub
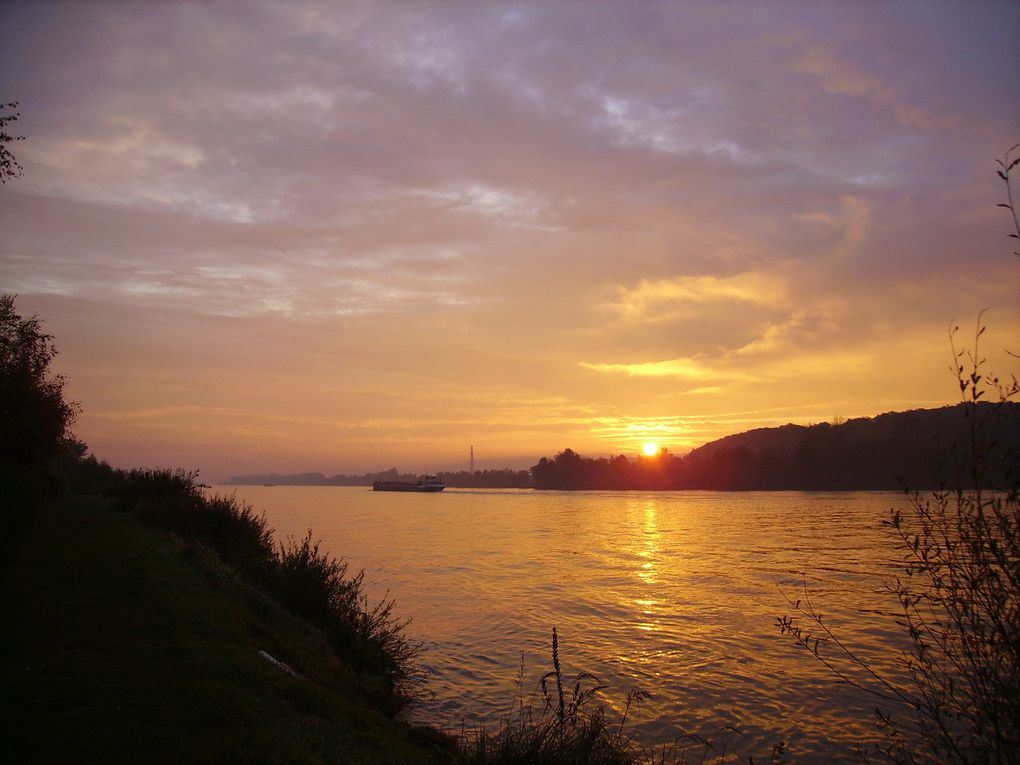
[(137, 486), (308, 582), (960, 597), (959, 590), (173, 501), (35, 414), (960, 594), (316, 586)]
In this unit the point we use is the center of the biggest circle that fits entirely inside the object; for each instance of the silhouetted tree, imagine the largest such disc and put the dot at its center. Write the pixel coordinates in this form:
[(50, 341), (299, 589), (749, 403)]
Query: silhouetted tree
[(9, 166), (34, 413), (487, 479)]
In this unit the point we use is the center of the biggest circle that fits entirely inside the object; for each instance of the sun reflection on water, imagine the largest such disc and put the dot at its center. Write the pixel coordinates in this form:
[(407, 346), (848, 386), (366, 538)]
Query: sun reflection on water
[(673, 593), (650, 544), (648, 553)]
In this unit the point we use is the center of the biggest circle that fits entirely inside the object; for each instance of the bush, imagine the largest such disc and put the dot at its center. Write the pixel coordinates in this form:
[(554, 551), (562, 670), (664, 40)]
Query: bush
[(34, 413), (960, 587), (81, 474), (960, 597), (136, 486), (173, 501), (960, 594), (315, 586), (307, 582)]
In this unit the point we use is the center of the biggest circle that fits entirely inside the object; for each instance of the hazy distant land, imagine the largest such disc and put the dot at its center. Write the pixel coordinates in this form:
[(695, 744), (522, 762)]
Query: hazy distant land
[(889, 452), (506, 478)]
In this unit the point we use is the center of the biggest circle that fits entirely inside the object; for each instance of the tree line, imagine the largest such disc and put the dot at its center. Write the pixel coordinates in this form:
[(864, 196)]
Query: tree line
[(890, 452), (503, 478)]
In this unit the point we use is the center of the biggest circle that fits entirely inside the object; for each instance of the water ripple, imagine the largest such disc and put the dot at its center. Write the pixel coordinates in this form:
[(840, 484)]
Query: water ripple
[(675, 593)]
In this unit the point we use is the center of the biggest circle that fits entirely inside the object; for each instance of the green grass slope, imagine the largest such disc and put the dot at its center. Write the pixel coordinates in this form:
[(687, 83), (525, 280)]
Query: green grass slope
[(118, 644)]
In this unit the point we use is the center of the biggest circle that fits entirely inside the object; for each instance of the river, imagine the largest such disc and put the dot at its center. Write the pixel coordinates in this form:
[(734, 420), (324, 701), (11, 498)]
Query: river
[(674, 593)]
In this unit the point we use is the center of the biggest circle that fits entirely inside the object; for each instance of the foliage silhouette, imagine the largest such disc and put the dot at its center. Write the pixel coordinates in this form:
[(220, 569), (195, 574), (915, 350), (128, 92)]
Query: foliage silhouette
[(307, 582), (35, 414), (35, 419), (574, 730), (571, 725), (1006, 166), (505, 478), (9, 166), (884, 452), (959, 589)]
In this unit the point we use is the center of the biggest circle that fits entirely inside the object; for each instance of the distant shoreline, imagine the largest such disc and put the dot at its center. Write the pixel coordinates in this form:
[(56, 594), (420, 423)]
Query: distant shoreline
[(891, 452)]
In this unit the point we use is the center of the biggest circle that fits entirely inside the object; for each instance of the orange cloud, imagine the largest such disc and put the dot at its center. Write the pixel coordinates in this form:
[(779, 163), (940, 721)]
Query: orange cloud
[(663, 298)]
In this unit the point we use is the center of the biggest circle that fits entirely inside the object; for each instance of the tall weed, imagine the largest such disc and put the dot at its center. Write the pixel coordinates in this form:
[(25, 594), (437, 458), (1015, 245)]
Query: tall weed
[(569, 727), (317, 587)]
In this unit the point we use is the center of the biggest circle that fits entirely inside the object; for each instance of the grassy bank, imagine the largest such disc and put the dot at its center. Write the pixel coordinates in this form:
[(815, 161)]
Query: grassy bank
[(121, 645)]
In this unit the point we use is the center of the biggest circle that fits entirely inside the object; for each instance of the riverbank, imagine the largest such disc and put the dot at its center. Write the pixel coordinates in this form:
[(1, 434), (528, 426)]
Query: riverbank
[(122, 645)]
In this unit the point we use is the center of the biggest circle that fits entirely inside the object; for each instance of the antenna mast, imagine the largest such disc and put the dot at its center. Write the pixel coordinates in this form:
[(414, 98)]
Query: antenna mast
[(472, 469)]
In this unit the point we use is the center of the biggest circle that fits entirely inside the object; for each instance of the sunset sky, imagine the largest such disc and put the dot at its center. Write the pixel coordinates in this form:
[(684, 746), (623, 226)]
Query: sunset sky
[(348, 236)]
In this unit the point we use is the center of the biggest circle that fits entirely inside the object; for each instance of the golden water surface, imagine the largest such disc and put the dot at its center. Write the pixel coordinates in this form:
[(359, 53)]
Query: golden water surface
[(675, 593)]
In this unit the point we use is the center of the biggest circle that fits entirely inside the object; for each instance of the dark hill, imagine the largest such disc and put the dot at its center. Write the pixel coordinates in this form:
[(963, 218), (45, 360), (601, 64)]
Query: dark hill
[(917, 449)]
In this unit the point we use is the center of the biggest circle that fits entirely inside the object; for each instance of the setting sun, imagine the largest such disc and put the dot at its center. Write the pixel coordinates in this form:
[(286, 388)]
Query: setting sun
[(650, 449)]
